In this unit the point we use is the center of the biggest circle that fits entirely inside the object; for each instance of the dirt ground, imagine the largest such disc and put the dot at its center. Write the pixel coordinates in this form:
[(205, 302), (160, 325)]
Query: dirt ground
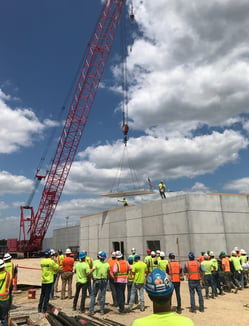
[(224, 310)]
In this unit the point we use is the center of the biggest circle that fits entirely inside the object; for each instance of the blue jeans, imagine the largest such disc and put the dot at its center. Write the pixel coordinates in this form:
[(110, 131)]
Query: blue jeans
[(195, 286), (208, 280), (140, 288), (83, 288), (178, 296), (98, 285), (44, 297), (129, 287), (4, 310), (120, 290)]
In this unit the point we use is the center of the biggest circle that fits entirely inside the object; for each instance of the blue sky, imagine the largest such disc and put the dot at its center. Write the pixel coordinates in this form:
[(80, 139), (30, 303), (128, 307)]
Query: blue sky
[(188, 75)]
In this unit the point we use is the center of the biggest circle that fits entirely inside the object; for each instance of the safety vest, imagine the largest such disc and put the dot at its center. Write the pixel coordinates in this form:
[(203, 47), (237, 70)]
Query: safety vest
[(193, 270), (59, 261), (5, 281), (225, 264), (130, 276), (161, 187), (9, 267), (174, 271), (122, 269)]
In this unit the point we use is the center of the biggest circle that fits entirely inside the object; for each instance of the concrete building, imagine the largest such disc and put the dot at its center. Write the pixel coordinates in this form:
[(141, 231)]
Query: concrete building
[(188, 222), (67, 237)]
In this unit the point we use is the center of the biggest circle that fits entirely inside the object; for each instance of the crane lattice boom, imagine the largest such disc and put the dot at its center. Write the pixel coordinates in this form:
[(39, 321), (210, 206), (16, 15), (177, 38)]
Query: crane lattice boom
[(91, 73)]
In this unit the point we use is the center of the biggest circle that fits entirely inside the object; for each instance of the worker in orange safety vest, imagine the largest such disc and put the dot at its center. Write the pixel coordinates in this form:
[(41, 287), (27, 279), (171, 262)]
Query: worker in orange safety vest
[(194, 272), (174, 270), (120, 271)]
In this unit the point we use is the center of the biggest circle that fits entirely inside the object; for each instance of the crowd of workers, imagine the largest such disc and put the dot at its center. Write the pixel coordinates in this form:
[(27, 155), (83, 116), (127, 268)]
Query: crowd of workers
[(156, 273)]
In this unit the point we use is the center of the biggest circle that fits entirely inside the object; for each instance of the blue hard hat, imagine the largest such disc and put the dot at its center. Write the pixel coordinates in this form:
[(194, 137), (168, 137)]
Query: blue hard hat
[(102, 255), (136, 257), (82, 254), (191, 255), (158, 283), (130, 260), (47, 252), (171, 255)]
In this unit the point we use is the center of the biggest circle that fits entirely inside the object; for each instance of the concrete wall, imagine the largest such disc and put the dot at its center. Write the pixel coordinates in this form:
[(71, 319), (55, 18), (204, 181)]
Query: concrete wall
[(186, 222), (63, 238)]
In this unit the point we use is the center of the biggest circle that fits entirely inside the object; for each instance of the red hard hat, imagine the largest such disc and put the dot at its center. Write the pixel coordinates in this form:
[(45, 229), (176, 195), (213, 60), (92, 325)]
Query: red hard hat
[(148, 251)]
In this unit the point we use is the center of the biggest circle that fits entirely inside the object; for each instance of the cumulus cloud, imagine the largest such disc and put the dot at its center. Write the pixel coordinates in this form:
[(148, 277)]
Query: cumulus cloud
[(239, 185), (191, 68), (14, 184), (99, 167), (3, 205), (18, 126)]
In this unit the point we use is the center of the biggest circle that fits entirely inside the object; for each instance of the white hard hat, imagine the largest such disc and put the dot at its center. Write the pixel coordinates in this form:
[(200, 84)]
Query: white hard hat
[(233, 253), (52, 252), (7, 256), (162, 254), (119, 254), (236, 248), (211, 254), (206, 256), (133, 250), (68, 251), (158, 252), (153, 253), (2, 265), (113, 254), (242, 251)]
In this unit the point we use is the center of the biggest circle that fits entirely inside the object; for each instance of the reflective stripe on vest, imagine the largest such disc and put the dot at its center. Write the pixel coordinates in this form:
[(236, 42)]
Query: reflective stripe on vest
[(122, 269), (4, 287), (174, 271), (193, 270), (9, 267)]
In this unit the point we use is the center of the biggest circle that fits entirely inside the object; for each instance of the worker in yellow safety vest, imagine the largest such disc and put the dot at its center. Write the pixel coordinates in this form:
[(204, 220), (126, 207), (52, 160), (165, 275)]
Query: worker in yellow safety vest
[(5, 282), (60, 258), (162, 189), (12, 269)]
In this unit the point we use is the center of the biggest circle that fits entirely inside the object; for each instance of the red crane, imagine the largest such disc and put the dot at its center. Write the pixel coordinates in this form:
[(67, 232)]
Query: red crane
[(31, 237)]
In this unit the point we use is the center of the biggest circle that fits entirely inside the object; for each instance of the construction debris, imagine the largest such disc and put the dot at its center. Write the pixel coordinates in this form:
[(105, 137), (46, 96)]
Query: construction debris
[(22, 320), (56, 317)]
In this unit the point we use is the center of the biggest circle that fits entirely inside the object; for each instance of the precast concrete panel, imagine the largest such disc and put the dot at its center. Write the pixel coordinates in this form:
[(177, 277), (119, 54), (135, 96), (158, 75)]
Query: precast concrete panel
[(103, 231), (170, 245), (234, 203), (84, 232), (93, 231), (175, 223), (202, 202), (134, 227), (152, 209), (213, 242), (153, 225), (236, 222), (174, 205), (205, 222), (119, 229), (134, 212)]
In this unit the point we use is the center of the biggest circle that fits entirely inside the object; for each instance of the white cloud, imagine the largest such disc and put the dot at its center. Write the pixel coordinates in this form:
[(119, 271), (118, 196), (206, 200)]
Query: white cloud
[(187, 70), (18, 126), (3, 205), (239, 185), (99, 168), (14, 184)]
